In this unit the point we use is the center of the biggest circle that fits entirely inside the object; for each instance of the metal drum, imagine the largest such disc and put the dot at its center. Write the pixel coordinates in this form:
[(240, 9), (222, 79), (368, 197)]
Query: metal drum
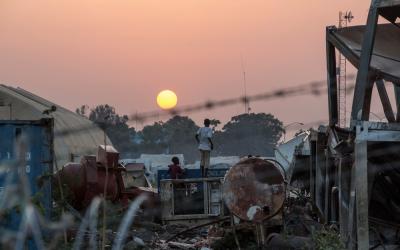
[(254, 189)]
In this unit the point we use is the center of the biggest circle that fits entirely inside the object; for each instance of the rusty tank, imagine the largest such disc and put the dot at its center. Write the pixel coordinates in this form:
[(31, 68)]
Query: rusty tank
[(83, 181), (254, 189)]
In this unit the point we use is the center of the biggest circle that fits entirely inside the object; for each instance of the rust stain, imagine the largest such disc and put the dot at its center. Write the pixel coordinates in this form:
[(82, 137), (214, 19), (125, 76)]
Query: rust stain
[(254, 190)]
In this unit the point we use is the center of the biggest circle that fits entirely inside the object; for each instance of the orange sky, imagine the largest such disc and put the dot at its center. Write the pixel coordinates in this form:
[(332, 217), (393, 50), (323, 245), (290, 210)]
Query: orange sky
[(123, 52)]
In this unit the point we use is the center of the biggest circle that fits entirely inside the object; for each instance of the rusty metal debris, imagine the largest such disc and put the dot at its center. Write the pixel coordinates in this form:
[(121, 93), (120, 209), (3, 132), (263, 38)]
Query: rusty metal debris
[(254, 190), (337, 186), (98, 175)]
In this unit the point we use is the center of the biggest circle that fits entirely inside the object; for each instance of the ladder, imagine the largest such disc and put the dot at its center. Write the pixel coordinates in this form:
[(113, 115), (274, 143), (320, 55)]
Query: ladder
[(342, 91), (341, 74)]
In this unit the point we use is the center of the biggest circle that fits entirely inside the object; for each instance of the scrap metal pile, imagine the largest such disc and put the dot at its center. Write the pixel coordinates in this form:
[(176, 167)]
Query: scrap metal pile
[(348, 177), (334, 187), (98, 175), (342, 181)]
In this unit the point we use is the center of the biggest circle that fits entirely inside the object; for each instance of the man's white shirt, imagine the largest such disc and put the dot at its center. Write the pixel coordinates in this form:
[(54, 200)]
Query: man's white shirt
[(204, 134)]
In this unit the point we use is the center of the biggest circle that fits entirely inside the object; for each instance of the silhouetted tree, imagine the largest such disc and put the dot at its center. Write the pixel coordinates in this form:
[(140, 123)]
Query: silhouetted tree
[(255, 134), (214, 123), (175, 136), (180, 131), (245, 134), (115, 125), (153, 139)]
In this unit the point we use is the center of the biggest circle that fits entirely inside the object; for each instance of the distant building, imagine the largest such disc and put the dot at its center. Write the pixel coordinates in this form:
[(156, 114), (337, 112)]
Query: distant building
[(153, 162), (84, 138)]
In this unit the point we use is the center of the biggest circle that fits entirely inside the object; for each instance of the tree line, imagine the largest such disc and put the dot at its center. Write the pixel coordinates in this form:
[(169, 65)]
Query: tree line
[(244, 134)]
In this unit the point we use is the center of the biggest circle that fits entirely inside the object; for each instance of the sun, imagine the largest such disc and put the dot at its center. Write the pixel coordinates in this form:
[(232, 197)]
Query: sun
[(167, 99)]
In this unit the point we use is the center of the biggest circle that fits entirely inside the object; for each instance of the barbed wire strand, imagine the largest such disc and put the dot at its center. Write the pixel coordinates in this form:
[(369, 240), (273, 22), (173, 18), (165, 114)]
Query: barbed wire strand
[(315, 88)]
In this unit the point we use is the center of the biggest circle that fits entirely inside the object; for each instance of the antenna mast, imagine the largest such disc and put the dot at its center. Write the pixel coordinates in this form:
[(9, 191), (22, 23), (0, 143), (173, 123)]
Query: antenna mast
[(344, 19), (246, 101)]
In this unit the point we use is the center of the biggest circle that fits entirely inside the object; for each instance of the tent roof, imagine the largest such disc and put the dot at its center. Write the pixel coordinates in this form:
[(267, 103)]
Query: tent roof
[(84, 136)]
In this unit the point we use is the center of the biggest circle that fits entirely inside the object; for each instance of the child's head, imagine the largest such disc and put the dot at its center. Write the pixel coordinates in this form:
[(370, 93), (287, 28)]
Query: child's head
[(207, 122), (175, 160)]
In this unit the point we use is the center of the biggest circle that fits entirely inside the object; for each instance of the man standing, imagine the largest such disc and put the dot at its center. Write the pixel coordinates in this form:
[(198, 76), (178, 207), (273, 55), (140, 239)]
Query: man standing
[(203, 138)]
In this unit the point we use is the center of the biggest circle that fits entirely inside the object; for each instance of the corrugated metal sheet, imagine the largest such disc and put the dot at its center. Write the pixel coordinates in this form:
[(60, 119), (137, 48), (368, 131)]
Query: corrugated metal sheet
[(84, 139), (285, 152)]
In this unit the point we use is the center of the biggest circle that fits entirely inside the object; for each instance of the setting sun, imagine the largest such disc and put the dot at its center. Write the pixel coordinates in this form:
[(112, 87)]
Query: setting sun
[(167, 99)]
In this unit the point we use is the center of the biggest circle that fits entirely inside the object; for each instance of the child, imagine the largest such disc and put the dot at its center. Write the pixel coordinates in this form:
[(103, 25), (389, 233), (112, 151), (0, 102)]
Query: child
[(175, 170)]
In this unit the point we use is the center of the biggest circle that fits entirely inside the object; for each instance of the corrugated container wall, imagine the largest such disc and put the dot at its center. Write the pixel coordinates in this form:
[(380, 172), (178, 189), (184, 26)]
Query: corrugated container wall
[(26, 159)]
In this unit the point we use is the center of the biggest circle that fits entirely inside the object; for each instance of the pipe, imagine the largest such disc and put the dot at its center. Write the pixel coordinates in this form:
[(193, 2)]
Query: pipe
[(198, 226)]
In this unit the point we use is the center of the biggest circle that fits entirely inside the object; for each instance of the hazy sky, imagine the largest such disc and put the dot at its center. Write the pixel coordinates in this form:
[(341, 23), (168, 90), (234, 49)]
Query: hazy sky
[(123, 52)]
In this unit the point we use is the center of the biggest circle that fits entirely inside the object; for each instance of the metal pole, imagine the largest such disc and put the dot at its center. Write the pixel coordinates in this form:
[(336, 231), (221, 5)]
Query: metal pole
[(361, 181), (364, 83)]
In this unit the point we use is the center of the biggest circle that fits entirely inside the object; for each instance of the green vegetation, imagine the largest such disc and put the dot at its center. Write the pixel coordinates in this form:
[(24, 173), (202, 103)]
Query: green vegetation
[(327, 239), (254, 133)]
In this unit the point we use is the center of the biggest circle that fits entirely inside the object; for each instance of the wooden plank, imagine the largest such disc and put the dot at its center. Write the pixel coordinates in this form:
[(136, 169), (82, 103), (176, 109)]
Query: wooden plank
[(181, 245)]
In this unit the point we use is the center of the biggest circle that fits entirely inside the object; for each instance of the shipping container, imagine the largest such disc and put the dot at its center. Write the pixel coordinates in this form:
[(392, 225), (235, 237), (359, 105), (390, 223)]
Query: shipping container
[(26, 153)]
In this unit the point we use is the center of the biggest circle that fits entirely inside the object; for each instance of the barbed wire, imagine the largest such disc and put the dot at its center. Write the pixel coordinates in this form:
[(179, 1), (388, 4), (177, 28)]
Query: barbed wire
[(312, 88), (315, 88)]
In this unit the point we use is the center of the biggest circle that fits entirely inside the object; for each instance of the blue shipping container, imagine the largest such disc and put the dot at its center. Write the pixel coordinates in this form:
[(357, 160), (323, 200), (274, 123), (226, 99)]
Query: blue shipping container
[(37, 147)]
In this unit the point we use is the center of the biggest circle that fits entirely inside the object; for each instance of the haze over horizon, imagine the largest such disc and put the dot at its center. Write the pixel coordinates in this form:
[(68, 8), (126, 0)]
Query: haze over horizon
[(124, 52)]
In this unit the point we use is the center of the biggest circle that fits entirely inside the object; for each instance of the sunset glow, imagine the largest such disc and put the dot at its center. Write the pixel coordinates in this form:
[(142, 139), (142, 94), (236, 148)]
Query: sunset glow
[(85, 49), (167, 99)]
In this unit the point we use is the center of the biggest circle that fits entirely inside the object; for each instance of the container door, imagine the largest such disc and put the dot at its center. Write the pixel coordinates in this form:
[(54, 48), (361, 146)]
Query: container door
[(25, 150)]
